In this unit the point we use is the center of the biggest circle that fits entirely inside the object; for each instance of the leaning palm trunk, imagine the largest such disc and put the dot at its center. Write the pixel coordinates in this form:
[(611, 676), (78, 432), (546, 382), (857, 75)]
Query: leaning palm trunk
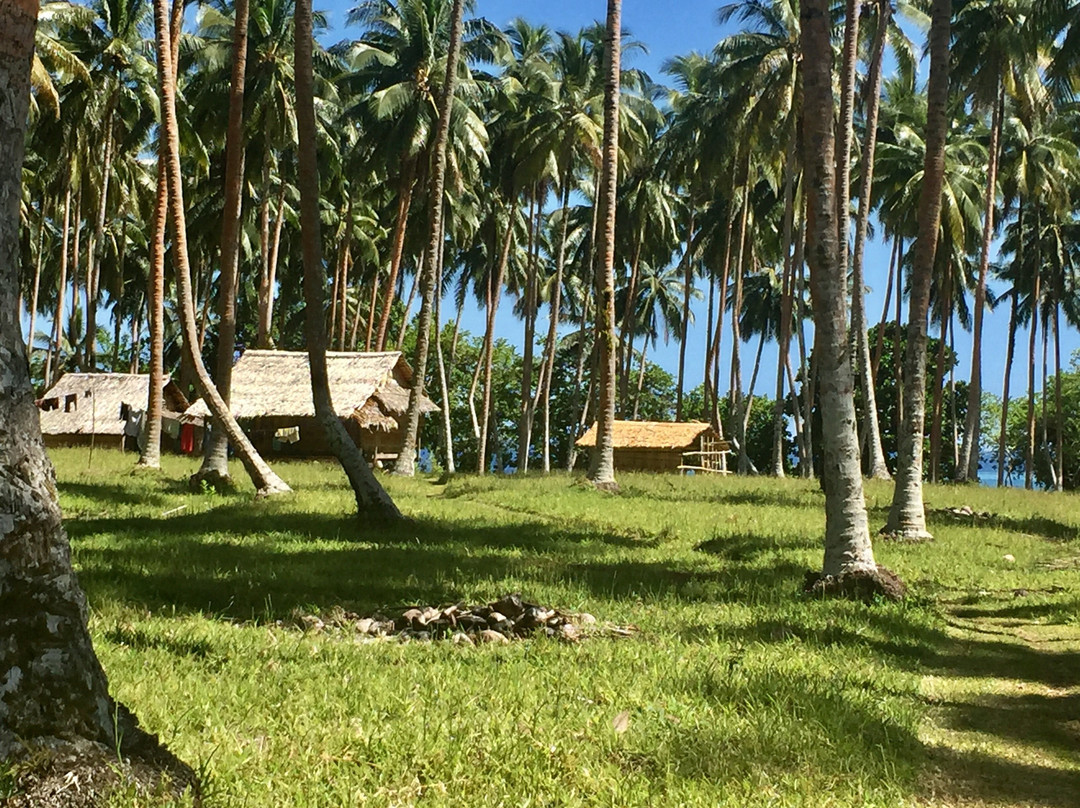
[(907, 516), (602, 461), (405, 464), (968, 468), (215, 464), (405, 193), (847, 536), (372, 501), (265, 480), (876, 467)]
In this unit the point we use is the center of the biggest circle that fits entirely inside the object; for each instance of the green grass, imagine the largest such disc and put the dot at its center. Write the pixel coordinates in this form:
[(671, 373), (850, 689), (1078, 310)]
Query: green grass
[(739, 691)]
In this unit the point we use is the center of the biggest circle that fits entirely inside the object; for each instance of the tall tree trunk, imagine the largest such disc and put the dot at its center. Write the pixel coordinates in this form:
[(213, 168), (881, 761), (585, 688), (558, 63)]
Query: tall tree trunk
[(849, 63), (1010, 349), (405, 192), (876, 467), (786, 289), (688, 287), (891, 284), (525, 414), (372, 501), (58, 318), (626, 335), (405, 461), (37, 284), (444, 387), (1029, 450), (265, 480), (907, 515), (847, 536), (555, 305), (602, 461), (408, 307), (215, 464), (76, 355), (1059, 423), (150, 455), (495, 284), (268, 278), (939, 377), (55, 694), (97, 255), (968, 470)]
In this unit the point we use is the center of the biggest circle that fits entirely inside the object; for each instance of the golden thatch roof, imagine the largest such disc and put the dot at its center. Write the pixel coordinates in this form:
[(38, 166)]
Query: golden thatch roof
[(91, 403), (650, 434), (370, 387)]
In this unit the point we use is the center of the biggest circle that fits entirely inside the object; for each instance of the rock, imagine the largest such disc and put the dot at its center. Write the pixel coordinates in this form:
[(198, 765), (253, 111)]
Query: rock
[(1010, 558), (429, 615), (510, 605), (489, 636), (461, 638), (569, 631), (586, 619), (365, 625)]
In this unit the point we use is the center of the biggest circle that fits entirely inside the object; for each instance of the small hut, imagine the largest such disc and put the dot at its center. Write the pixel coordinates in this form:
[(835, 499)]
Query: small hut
[(664, 446), (104, 408), (271, 399)]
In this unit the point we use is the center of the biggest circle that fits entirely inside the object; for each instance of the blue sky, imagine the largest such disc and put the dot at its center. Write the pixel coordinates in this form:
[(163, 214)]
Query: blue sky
[(668, 29)]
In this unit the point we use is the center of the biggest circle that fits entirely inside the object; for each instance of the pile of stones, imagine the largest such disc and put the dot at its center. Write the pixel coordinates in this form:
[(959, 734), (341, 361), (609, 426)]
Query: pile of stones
[(500, 621)]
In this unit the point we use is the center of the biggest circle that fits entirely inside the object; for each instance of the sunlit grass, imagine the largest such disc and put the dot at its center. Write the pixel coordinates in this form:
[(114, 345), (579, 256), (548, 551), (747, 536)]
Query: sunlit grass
[(739, 691)]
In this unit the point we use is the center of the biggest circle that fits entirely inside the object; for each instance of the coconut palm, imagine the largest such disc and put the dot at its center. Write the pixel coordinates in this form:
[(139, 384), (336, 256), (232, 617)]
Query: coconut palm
[(907, 516)]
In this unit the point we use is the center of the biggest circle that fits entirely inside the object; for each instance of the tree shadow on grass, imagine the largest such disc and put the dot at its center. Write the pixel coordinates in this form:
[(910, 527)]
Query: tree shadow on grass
[(1040, 526), (247, 565)]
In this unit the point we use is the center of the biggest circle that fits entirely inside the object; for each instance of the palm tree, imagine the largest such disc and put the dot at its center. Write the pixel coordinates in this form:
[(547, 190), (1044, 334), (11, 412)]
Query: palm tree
[(215, 465), (847, 535), (995, 51), (372, 501), (602, 461), (907, 515), (266, 481), (405, 461)]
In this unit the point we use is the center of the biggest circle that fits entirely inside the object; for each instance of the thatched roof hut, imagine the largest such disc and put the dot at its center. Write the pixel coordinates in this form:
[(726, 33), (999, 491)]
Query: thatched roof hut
[(663, 446), (271, 391), (81, 405)]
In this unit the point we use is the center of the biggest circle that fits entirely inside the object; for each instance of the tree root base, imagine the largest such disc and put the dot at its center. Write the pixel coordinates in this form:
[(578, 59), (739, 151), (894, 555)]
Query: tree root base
[(212, 480), (906, 536), (86, 774), (864, 585)]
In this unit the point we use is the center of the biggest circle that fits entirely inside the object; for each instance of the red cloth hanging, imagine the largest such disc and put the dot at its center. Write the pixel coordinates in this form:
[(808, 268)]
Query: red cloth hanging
[(187, 438)]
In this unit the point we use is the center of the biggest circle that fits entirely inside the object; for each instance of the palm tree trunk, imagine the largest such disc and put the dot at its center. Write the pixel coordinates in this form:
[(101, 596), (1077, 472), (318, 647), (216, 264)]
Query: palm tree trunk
[(939, 376), (602, 460), (37, 283), (444, 388), (215, 464), (58, 318), (268, 276), (848, 66), (688, 287), (626, 336), (150, 455), (1029, 451), (408, 307), (968, 470), (405, 192), (1009, 351), (640, 378), (555, 304), (876, 467), (528, 348), (265, 480), (405, 461), (62, 702), (372, 501), (76, 356), (1059, 424), (847, 536), (907, 515), (786, 289), (97, 254), (495, 293), (891, 284), (1043, 416)]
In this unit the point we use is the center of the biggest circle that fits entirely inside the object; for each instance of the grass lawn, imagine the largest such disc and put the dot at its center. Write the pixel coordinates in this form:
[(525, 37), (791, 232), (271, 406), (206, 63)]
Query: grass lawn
[(739, 692)]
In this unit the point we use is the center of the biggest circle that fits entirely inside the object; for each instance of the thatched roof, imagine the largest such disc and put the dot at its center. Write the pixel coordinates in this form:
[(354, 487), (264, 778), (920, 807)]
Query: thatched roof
[(90, 403), (651, 434), (370, 387)]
